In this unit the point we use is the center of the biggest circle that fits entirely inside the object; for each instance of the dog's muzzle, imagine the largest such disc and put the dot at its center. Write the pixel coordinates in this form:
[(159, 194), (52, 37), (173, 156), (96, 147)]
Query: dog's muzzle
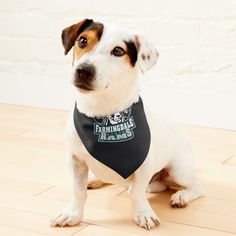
[(84, 76)]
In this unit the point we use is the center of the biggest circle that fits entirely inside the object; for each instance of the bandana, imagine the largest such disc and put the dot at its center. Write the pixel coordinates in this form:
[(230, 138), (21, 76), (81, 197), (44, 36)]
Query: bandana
[(120, 141)]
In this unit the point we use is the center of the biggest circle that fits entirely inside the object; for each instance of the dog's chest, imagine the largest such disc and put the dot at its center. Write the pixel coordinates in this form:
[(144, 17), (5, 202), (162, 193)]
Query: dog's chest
[(100, 170), (119, 141)]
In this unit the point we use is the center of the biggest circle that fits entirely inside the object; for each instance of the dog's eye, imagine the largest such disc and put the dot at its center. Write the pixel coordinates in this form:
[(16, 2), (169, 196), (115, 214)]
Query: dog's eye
[(82, 42), (118, 52)]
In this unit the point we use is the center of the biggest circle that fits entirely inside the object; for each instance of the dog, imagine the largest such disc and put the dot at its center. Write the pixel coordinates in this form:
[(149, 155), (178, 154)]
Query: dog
[(107, 61)]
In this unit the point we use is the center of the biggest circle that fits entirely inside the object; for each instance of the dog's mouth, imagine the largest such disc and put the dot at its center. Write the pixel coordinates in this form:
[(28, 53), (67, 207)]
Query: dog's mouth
[(83, 86)]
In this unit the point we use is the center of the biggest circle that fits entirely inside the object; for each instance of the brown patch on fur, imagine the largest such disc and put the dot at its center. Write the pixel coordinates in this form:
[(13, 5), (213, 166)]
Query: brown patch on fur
[(137, 43), (126, 57), (92, 39), (148, 57), (70, 34), (131, 53), (143, 57)]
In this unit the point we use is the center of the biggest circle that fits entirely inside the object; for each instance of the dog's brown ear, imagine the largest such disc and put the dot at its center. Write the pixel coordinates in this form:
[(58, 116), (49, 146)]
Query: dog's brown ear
[(70, 34)]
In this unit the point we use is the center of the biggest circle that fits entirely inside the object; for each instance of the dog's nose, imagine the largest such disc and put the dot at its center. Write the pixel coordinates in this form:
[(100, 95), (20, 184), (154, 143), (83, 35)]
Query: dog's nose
[(85, 72)]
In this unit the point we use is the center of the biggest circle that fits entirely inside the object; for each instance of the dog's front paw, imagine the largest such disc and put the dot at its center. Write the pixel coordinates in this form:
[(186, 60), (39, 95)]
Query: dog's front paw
[(146, 219), (68, 217)]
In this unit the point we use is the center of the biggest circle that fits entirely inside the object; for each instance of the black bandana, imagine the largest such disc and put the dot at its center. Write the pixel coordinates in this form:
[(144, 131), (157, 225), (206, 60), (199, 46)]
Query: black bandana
[(120, 141)]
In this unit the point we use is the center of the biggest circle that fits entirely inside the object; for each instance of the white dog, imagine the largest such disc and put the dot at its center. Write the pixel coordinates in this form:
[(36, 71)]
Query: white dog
[(107, 61)]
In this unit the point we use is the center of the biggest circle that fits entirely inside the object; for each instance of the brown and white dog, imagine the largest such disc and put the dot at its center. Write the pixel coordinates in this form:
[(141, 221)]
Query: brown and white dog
[(107, 61)]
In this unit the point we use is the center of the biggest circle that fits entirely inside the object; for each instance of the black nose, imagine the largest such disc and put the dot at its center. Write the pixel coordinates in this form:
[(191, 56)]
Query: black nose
[(85, 72)]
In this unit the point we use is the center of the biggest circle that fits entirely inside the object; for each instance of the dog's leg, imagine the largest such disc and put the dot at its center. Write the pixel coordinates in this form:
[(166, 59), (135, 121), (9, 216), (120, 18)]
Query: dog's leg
[(156, 187), (183, 173), (143, 214), (74, 212)]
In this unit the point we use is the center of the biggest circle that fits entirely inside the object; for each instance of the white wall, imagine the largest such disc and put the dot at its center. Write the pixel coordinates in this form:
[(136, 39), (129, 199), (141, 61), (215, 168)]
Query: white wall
[(194, 81)]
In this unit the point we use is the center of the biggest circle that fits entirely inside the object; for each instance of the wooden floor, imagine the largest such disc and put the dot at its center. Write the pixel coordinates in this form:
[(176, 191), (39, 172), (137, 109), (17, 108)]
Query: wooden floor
[(35, 184)]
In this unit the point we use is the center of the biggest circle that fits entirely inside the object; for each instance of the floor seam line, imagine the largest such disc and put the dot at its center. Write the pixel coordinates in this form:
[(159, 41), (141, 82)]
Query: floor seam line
[(23, 229), (37, 194), (227, 159), (202, 227), (118, 194), (80, 229)]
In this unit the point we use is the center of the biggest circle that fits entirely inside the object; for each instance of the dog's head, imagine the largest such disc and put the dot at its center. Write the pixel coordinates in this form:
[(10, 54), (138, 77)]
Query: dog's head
[(105, 56)]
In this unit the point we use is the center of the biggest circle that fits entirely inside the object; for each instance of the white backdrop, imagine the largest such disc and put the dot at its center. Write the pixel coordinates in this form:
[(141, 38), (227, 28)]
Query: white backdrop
[(194, 81)]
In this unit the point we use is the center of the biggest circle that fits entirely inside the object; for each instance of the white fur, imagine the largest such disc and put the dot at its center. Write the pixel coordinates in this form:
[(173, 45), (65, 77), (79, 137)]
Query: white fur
[(116, 88), (146, 49)]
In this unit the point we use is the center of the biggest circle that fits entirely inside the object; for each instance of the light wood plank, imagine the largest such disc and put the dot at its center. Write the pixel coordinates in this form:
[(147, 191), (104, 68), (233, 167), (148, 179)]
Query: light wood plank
[(12, 187), (211, 145), (33, 222), (203, 208), (62, 193), (9, 231), (166, 229), (41, 175), (122, 220), (96, 230), (207, 212)]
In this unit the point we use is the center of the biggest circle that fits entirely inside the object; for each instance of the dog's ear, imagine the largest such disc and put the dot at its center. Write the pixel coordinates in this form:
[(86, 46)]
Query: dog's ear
[(70, 34), (147, 54)]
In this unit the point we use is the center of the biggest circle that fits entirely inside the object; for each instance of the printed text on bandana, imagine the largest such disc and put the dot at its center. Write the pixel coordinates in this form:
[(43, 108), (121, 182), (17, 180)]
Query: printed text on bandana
[(115, 131)]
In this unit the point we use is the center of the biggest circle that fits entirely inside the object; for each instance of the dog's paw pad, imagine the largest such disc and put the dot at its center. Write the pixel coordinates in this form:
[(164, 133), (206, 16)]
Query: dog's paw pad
[(94, 184), (146, 220), (179, 199)]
